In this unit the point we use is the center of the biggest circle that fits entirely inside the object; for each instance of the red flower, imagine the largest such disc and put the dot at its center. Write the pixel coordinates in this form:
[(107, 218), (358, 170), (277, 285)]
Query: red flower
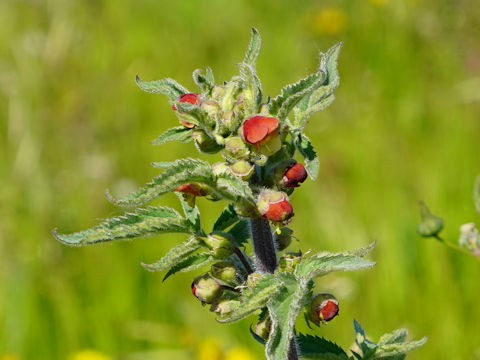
[(191, 188), (323, 308), (191, 98), (275, 206), (294, 175), (258, 128)]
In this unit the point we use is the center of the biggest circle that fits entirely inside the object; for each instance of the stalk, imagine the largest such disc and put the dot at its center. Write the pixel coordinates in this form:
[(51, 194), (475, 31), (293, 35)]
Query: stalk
[(266, 259)]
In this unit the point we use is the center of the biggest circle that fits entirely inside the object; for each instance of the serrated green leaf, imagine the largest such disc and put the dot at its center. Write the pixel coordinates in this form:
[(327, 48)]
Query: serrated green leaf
[(362, 251), (323, 96), (290, 95), (395, 336), (326, 356), (168, 87), (139, 223), (233, 187), (253, 50), (284, 308), (476, 194), (396, 349), (240, 232), (320, 265), (368, 347), (314, 345), (227, 218), (192, 214), (195, 115), (192, 262), (175, 255), (181, 172), (178, 133), (305, 147), (254, 298), (204, 81)]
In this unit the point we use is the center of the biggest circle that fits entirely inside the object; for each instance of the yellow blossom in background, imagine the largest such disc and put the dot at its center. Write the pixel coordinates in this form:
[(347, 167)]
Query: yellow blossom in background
[(328, 20), (209, 349), (89, 355), (9, 357), (239, 353)]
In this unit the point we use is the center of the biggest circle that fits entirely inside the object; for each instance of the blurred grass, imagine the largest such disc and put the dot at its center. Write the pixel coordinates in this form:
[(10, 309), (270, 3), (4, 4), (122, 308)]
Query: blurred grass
[(405, 126)]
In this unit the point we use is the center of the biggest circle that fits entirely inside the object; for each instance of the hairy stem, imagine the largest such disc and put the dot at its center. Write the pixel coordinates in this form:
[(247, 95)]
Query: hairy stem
[(243, 260), (266, 259), (265, 253)]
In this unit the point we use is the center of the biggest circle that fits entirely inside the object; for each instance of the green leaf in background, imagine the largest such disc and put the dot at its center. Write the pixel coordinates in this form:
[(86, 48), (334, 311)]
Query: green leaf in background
[(315, 347), (168, 87), (227, 218), (180, 172), (305, 147), (323, 96), (175, 255), (291, 94), (140, 223), (476, 194), (192, 262), (254, 298), (178, 133), (204, 82), (320, 265), (253, 50)]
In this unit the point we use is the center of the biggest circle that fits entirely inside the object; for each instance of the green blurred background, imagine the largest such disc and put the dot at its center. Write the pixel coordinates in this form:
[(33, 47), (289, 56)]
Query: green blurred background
[(405, 126)]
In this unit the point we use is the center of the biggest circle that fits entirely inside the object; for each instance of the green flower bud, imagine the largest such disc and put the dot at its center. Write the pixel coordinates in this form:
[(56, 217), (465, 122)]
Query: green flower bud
[(205, 143), (224, 271), (289, 261), (431, 225), (206, 288), (218, 92), (243, 169), (245, 209), (253, 279), (225, 306), (470, 238), (322, 308), (220, 243), (212, 108), (236, 148), (221, 168), (283, 238)]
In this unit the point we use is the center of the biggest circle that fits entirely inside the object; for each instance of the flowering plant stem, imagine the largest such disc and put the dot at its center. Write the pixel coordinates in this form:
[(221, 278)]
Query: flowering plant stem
[(266, 259)]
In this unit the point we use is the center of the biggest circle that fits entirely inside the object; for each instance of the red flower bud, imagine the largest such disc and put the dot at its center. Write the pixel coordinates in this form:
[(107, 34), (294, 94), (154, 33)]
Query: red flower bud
[(274, 205), (323, 308), (191, 188), (262, 131), (294, 175), (191, 98)]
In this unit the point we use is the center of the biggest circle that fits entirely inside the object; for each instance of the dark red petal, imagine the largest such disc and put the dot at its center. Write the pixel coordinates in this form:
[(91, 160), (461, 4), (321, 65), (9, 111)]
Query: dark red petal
[(328, 310), (295, 175), (279, 211)]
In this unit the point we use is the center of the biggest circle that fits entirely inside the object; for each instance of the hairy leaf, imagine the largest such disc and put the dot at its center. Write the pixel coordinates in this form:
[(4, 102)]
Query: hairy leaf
[(320, 265), (204, 81), (168, 87), (292, 94), (254, 298), (192, 214), (253, 87), (323, 95), (192, 262), (181, 171), (175, 255), (284, 308), (232, 187), (227, 218), (362, 251), (398, 348), (253, 49), (195, 115), (368, 347), (178, 133), (395, 336), (305, 147), (140, 223), (314, 345)]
